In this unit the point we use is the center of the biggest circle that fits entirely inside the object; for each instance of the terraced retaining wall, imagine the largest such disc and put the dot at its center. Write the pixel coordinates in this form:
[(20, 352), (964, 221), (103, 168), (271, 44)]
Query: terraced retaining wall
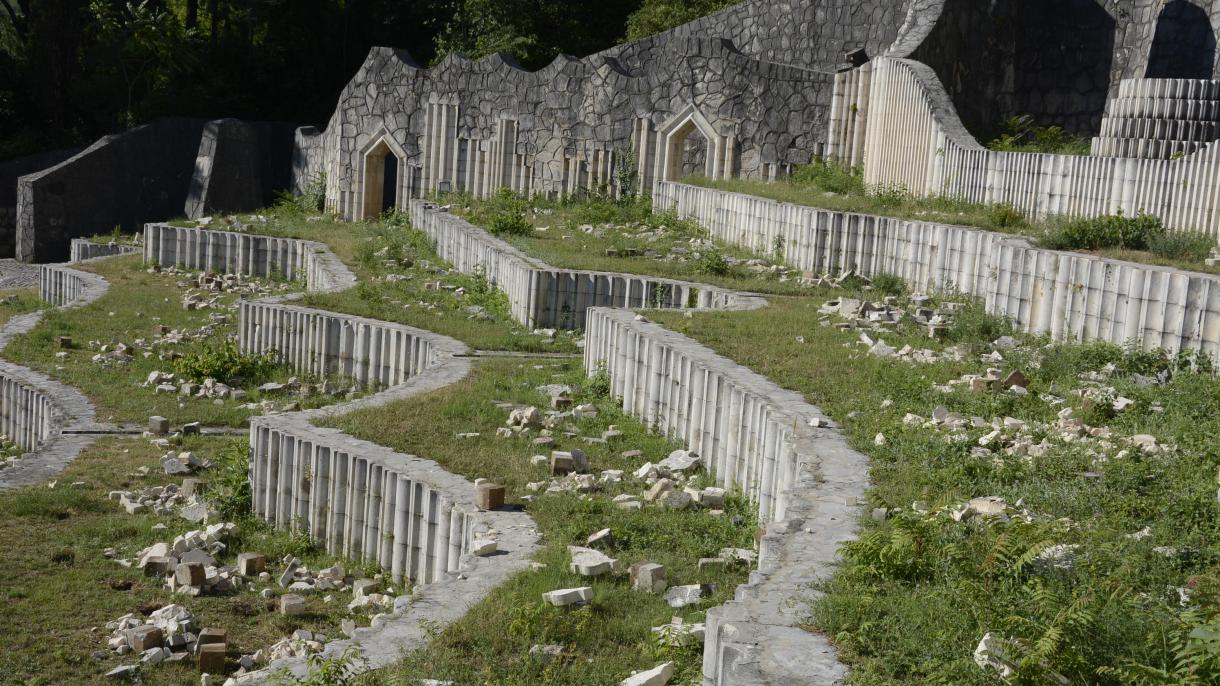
[(359, 499), (84, 249), (544, 296), (42, 416), (1064, 294), (246, 254), (754, 436), (913, 139)]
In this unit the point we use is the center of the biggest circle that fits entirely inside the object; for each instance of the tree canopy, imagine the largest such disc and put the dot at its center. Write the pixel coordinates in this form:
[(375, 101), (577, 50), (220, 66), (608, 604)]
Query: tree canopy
[(73, 70)]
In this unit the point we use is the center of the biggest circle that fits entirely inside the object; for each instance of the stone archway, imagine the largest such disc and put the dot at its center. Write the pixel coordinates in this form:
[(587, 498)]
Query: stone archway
[(676, 158), (1184, 46), (382, 173)]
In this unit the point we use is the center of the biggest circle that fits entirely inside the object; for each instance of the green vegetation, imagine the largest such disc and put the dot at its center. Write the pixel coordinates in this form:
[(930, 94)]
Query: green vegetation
[(17, 301), (1020, 134), (503, 214), (136, 303), (920, 589), (600, 233), (1142, 238), (832, 186), (607, 639), (59, 586)]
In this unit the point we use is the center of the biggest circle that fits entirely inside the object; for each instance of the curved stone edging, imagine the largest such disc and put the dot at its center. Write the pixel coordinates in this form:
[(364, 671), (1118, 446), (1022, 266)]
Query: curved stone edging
[(755, 436), (82, 249), (544, 296), (1066, 295), (359, 499), (36, 411)]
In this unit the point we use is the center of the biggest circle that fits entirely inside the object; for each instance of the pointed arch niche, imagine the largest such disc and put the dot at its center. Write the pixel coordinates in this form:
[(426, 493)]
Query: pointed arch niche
[(383, 176), (671, 146)]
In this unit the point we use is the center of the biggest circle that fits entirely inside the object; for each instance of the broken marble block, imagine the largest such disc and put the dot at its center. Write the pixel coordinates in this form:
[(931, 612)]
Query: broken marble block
[(648, 577), (211, 658), (681, 596), (251, 564), (590, 562), (490, 496), (142, 638), (189, 574), (564, 597), (292, 604), (158, 425), (657, 676)]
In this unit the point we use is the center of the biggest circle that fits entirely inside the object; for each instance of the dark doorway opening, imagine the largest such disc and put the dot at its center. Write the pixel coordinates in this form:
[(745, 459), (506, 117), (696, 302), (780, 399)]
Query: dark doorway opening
[(1184, 46)]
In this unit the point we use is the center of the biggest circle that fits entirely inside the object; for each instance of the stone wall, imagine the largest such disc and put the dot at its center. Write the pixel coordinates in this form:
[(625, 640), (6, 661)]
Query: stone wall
[(752, 435), (121, 180), (1063, 294), (42, 416), (84, 249), (544, 296), (227, 176), (10, 171), (356, 498), (247, 254), (914, 140)]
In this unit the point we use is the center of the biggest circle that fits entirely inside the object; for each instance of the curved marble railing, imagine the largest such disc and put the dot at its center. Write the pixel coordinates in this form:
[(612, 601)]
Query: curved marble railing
[(84, 249), (544, 296), (358, 499), (248, 255), (907, 133), (1066, 295), (38, 413), (755, 436)]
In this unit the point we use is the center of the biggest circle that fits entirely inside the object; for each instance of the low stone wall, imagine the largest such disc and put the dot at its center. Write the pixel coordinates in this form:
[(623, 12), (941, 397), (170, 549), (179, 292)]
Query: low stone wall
[(85, 249), (36, 412), (247, 254), (358, 499), (544, 296), (755, 436), (1066, 295)]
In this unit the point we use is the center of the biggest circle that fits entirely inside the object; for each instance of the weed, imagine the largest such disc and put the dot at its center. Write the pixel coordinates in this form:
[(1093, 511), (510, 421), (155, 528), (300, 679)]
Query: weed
[(223, 361), (503, 214), (1108, 231), (1020, 134)]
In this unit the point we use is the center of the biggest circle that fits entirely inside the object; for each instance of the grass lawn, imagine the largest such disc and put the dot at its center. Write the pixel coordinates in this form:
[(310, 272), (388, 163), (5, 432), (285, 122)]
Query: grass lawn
[(58, 595), (398, 270), (136, 302), (608, 639), (15, 301), (919, 591)]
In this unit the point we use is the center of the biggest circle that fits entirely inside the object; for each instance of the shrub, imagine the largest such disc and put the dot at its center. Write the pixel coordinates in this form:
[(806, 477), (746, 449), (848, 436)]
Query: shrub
[(1108, 231), (712, 262), (1004, 216), (1194, 246), (1021, 135), (221, 360), (503, 214), (830, 176), (889, 284), (229, 482)]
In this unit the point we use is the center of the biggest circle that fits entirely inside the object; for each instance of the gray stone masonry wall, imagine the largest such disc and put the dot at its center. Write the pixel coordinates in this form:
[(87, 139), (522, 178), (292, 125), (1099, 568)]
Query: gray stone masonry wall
[(544, 296), (10, 171), (121, 180), (752, 435), (227, 175)]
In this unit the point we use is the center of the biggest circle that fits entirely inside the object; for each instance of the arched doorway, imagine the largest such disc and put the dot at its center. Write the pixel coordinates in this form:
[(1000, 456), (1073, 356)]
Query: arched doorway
[(689, 144), (380, 179), (1184, 46)]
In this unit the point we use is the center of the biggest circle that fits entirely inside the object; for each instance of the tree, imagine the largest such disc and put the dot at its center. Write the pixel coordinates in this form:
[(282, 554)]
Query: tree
[(655, 16), (142, 40)]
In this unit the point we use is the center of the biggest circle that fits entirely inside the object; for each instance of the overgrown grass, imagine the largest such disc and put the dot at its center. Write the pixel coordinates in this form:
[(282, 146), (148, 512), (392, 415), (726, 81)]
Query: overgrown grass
[(58, 586), (915, 596), (598, 233), (831, 186), (136, 302), (605, 641), (16, 301), (1020, 134), (399, 272)]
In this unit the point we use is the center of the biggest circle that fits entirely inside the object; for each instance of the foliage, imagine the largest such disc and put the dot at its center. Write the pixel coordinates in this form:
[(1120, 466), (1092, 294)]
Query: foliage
[(1107, 231), (223, 361), (503, 214), (140, 40), (655, 16), (229, 481), (1020, 134), (830, 176), (1190, 246), (889, 284), (324, 671)]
